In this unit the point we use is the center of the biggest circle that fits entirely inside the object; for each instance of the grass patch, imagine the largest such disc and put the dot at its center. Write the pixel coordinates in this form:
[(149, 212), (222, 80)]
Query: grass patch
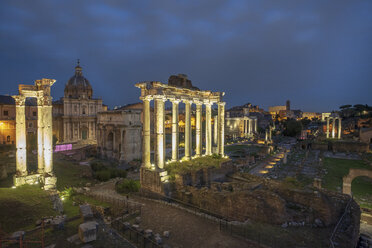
[(179, 167), (81, 199), (22, 206), (104, 172), (337, 169), (70, 174)]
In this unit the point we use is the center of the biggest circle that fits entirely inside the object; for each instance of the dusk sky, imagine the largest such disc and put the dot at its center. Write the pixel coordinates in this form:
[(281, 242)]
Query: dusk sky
[(318, 54)]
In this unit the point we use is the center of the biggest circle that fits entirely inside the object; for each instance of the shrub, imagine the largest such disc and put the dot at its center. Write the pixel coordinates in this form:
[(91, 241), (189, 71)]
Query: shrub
[(128, 186), (67, 193), (103, 175), (118, 173), (97, 166)]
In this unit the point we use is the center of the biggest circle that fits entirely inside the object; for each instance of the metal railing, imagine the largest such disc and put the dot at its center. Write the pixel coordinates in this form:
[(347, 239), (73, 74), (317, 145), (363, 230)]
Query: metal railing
[(134, 236)]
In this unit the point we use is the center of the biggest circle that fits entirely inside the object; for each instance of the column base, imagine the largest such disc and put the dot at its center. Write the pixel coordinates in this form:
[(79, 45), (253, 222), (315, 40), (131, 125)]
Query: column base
[(48, 181), (155, 181), (19, 180)]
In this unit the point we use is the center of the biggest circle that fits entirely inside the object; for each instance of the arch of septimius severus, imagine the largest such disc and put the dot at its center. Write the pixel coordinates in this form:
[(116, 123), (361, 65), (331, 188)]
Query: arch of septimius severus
[(160, 93), (45, 175)]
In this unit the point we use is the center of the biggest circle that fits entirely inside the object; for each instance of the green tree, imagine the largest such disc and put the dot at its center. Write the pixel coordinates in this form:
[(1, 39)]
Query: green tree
[(292, 128)]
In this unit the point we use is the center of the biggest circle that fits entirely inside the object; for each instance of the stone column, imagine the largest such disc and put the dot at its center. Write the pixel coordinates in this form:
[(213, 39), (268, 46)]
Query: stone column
[(187, 129), (208, 129), (327, 127), (255, 125), (339, 128), (146, 152), (245, 128), (221, 128), (21, 153), (175, 130), (270, 134), (48, 135), (122, 142), (159, 131), (215, 130), (198, 131), (266, 135), (40, 136), (249, 126), (333, 127)]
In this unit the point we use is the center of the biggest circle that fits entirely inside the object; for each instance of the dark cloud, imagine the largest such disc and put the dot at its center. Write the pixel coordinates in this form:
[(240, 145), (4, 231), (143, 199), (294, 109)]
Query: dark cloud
[(316, 53)]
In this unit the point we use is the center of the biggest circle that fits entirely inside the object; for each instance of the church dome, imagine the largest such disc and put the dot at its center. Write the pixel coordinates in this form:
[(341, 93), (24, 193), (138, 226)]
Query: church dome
[(78, 86)]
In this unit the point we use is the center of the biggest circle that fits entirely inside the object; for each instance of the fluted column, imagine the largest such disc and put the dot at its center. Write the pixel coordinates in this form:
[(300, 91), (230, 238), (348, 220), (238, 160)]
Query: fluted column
[(198, 131), (221, 129), (333, 127), (270, 133), (175, 130), (187, 130), (255, 125), (327, 127), (245, 127), (146, 152), (122, 142), (215, 130), (40, 136), (250, 126), (208, 129), (21, 153), (339, 128), (48, 135), (159, 131)]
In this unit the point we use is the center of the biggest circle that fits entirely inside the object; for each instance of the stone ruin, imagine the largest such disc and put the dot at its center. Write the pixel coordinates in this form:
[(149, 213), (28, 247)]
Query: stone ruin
[(41, 91)]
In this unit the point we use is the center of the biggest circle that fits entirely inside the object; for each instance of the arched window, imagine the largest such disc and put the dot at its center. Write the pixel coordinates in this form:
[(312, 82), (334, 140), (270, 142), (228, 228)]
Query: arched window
[(84, 110), (8, 138)]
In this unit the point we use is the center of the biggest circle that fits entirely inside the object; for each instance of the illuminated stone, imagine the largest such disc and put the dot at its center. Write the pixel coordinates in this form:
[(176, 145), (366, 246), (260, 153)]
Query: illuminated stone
[(198, 131), (187, 130), (208, 129), (40, 91), (175, 130)]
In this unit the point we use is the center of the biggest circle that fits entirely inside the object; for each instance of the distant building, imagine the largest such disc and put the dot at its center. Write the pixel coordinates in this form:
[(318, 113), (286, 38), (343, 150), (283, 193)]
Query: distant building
[(8, 115), (274, 110), (75, 115), (311, 115)]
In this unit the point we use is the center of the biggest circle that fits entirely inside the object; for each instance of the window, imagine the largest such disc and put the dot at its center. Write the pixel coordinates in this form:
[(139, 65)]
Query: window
[(8, 138), (6, 113), (34, 113), (84, 110), (30, 124)]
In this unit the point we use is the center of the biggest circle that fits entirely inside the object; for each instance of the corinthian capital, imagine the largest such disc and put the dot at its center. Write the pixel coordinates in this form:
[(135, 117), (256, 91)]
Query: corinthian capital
[(20, 100)]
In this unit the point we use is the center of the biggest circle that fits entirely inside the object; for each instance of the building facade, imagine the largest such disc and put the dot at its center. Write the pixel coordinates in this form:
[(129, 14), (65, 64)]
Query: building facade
[(75, 115), (8, 122), (118, 134)]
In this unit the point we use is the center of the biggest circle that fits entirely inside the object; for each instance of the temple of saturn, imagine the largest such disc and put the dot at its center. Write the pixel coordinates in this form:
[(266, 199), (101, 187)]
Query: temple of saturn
[(333, 118), (44, 175), (160, 93)]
